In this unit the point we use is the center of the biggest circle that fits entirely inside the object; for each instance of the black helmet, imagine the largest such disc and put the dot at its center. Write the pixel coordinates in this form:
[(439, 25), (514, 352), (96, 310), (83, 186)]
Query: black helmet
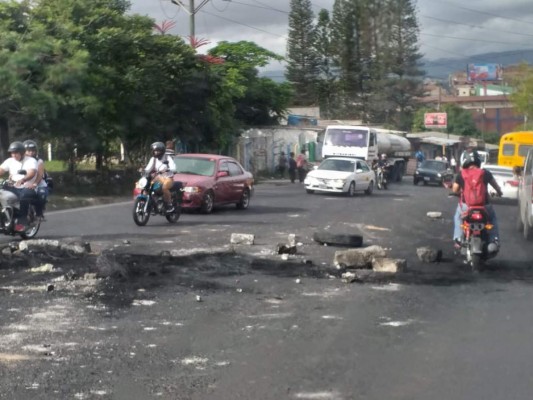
[(158, 149), (469, 158), (16, 147), (30, 145)]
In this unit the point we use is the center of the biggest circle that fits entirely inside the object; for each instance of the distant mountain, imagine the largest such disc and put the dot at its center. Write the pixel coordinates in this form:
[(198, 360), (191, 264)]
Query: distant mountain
[(443, 67)]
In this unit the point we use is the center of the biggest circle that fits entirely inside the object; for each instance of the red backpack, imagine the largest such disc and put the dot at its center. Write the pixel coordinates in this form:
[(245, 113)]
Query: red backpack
[(474, 189)]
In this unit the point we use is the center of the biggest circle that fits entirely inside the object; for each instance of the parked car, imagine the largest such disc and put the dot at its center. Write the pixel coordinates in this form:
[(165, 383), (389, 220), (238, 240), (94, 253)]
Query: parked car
[(506, 179), (211, 180), (340, 175), (433, 171), (525, 193)]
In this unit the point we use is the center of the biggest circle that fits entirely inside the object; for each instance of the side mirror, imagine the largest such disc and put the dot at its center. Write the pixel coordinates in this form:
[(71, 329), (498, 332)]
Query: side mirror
[(221, 174), (358, 171), (315, 166)]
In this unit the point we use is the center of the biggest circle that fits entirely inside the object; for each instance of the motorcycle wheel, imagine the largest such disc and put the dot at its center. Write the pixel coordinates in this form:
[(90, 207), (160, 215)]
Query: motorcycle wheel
[(476, 262), (175, 216), (33, 226), (140, 217)]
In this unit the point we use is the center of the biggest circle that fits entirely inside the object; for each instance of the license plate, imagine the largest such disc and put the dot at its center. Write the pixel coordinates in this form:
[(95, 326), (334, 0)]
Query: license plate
[(426, 178)]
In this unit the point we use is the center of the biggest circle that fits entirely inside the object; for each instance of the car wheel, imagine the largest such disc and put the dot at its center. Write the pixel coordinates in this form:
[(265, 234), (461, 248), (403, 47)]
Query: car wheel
[(351, 190), (370, 188), (309, 191), (245, 200), (207, 203), (338, 239)]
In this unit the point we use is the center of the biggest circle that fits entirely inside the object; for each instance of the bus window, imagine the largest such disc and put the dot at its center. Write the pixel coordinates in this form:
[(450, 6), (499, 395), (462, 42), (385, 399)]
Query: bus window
[(508, 149), (522, 149)]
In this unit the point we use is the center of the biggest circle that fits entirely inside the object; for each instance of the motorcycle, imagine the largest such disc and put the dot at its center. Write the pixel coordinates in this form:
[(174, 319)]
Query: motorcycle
[(475, 227), (150, 201), (10, 204), (381, 177)]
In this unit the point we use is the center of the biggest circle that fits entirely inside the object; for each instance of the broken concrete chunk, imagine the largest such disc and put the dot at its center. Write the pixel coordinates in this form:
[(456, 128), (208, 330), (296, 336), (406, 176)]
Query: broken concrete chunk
[(43, 268), (434, 214), (429, 254), (292, 239), (242, 238), (384, 264), (348, 277), (284, 249), (358, 258), (38, 244)]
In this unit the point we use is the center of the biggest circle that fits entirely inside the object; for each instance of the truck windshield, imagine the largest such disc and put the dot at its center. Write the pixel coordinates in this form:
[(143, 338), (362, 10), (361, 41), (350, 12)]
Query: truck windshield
[(346, 137)]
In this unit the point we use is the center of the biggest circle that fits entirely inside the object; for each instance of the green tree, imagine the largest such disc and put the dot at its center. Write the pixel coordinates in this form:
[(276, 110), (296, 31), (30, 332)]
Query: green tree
[(522, 95), (302, 59)]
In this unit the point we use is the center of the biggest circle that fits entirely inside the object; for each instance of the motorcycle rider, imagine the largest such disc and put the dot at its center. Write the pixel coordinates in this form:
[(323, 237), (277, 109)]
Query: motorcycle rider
[(471, 160), (39, 185), (162, 168), (22, 186)]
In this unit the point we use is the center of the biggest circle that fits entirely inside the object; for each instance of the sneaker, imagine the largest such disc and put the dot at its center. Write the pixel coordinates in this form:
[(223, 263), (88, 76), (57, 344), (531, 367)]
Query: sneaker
[(20, 228), (170, 209), (457, 244)]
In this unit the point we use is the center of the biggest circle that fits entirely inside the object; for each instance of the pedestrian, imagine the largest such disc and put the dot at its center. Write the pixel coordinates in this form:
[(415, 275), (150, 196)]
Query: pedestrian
[(419, 157), (282, 164), (301, 165), (292, 167), (453, 163)]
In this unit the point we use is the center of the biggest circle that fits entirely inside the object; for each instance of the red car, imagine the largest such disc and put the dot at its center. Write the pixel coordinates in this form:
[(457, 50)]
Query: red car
[(211, 180)]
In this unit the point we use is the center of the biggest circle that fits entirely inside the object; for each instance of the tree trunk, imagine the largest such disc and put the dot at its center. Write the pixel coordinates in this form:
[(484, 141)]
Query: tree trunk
[(4, 138)]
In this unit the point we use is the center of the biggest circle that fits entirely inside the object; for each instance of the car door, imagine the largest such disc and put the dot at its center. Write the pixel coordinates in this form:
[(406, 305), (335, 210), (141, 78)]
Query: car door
[(364, 176), (237, 181), (223, 185)]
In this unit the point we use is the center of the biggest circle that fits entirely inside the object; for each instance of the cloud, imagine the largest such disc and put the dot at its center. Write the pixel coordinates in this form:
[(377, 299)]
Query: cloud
[(448, 29)]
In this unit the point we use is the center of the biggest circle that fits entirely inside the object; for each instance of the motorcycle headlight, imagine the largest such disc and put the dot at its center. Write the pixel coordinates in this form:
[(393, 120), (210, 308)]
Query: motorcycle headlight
[(141, 184), (192, 189)]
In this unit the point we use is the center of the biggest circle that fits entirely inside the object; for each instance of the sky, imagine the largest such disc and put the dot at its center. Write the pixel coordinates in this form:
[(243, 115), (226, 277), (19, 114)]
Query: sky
[(448, 29)]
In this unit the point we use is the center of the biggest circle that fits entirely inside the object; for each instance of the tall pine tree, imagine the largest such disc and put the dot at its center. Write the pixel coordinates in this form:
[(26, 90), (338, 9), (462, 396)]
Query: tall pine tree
[(302, 60)]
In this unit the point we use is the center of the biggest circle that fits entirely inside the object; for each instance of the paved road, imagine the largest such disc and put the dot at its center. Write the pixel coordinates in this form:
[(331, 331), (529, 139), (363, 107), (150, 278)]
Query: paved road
[(438, 332)]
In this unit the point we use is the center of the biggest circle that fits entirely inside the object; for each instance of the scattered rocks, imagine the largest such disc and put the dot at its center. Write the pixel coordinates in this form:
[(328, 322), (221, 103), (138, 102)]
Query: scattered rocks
[(391, 265), (358, 258), (429, 254), (43, 268), (242, 238), (434, 214)]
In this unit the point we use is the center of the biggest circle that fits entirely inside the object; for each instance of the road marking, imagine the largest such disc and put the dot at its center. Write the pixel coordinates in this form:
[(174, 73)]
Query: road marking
[(77, 209)]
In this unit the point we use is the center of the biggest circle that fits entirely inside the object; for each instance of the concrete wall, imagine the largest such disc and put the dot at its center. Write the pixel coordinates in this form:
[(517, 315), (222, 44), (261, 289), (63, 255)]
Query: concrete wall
[(258, 150)]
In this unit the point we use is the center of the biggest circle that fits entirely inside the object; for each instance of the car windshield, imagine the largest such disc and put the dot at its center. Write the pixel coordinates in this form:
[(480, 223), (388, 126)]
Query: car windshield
[(433, 165), (337, 165), (194, 166), (346, 137)]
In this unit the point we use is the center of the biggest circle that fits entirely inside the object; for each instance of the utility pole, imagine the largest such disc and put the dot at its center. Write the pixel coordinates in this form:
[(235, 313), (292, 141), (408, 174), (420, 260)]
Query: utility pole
[(192, 10)]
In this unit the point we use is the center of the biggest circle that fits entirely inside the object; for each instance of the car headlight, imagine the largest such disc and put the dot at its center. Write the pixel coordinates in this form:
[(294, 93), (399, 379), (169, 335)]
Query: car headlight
[(337, 182), (416, 172), (311, 181), (192, 189), (439, 175)]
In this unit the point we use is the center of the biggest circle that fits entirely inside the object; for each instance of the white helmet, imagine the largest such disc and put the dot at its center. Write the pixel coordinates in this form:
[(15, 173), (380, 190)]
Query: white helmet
[(383, 155)]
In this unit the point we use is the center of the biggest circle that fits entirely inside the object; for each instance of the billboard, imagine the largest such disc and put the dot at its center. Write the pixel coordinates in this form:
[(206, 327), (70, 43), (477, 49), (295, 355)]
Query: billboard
[(484, 72), (435, 120)]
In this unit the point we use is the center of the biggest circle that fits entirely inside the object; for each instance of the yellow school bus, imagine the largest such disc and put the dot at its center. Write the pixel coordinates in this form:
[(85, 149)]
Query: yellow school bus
[(513, 148)]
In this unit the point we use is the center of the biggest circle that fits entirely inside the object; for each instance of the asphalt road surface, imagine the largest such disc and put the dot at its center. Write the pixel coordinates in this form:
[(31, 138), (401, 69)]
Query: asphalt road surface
[(216, 321)]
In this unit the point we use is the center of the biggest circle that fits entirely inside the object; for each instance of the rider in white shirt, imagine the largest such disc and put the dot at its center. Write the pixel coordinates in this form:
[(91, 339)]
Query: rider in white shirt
[(162, 167), (22, 183), (39, 185)]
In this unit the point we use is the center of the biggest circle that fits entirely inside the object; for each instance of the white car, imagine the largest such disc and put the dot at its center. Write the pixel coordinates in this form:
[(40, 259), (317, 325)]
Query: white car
[(507, 180), (341, 175)]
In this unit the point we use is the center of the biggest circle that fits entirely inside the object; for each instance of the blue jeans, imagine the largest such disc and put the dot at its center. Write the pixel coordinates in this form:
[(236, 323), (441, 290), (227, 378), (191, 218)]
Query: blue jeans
[(461, 207)]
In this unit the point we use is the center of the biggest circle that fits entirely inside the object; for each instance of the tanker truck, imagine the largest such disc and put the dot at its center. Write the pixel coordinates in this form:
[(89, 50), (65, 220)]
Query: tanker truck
[(367, 143)]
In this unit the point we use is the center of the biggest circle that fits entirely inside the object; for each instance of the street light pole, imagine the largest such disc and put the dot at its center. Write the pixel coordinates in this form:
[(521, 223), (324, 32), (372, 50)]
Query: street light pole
[(192, 10)]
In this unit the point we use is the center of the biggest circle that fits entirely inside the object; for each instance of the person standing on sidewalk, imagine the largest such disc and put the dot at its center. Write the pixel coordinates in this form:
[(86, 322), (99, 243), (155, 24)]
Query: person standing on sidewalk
[(292, 167), (282, 164), (301, 165)]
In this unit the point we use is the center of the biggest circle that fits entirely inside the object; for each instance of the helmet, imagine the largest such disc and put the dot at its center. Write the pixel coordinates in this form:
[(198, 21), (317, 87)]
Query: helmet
[(16, 147), (30, 145), (383, 155), (158, 149), (469, 158)]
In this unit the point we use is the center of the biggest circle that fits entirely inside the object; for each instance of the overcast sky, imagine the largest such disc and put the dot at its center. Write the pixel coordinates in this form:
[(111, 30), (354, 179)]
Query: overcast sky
[(448, 29)]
